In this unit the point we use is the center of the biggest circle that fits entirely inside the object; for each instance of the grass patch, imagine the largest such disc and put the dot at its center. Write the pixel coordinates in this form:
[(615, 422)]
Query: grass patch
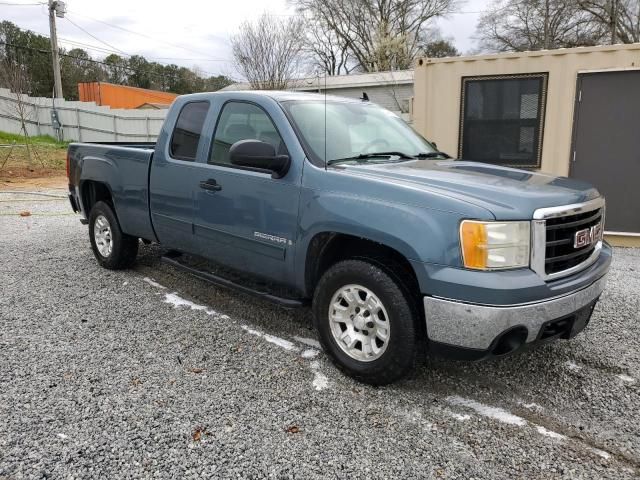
[(40, 140)]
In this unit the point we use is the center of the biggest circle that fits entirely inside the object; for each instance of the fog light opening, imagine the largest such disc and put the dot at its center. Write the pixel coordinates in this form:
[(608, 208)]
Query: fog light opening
[(510, 341)]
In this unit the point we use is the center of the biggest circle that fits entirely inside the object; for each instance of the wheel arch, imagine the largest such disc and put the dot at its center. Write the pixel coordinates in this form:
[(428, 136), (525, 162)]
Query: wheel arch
[(329, 247), (93, 191)]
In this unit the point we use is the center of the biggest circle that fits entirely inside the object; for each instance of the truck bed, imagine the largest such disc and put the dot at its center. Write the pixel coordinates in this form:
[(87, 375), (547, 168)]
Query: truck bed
[(123, 168)]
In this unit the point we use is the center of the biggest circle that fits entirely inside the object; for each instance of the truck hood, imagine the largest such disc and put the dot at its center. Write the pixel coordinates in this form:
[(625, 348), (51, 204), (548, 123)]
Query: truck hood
[(508, 193)]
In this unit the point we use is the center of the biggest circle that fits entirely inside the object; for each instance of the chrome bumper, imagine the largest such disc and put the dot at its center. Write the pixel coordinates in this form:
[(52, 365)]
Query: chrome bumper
[(476, 326)]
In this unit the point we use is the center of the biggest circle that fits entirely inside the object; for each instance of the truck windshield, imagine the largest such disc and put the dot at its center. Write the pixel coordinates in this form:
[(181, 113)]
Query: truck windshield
[(355, 132)]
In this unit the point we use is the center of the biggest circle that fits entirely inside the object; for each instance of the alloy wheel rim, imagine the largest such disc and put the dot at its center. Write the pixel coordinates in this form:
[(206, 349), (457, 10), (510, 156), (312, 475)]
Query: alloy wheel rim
[(359, 323), (102, 235)]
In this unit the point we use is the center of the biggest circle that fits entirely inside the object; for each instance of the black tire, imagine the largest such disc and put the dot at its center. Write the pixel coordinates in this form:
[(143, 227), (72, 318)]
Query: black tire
[(401, 351), (124, 248)]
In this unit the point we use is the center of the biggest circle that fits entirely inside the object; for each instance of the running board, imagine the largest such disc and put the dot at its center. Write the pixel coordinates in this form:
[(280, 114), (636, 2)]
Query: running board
[(173, 258)]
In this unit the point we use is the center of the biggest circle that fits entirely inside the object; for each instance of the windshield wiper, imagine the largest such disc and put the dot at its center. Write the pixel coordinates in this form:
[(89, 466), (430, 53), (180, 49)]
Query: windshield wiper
[(368, 156), (432, 155)]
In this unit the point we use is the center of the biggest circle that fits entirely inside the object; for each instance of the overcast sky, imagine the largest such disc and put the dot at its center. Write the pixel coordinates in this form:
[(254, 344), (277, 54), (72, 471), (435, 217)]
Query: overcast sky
[(186, 32)]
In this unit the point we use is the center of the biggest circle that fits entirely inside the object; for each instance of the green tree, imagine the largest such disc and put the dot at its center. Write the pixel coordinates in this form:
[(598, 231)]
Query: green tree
[(33, 52), (117, 69), (439, 49), (78, 66), (140, 72), (212, 84), (159, 77)]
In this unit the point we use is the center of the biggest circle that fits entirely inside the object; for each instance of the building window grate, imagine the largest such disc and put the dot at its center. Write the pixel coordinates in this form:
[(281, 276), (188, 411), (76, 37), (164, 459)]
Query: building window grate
[(502, 119)]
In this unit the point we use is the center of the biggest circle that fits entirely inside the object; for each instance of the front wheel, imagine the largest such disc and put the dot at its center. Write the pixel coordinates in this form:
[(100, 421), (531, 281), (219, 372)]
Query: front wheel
[(113, 248), (366, 322)]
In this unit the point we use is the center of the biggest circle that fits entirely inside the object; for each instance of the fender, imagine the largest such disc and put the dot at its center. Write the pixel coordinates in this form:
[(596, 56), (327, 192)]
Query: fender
[(419, 234)]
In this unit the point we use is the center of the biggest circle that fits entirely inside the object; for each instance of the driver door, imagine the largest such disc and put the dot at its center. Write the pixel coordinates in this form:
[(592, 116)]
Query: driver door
[(244, 218)]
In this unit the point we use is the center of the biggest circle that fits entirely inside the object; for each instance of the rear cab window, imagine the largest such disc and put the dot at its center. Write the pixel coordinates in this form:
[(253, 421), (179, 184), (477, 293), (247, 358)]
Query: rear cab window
[(188, 130)]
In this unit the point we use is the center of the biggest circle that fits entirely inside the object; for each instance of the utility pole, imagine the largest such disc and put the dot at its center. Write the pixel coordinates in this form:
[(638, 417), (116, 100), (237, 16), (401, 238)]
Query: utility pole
[(614, 21), (56, 9)]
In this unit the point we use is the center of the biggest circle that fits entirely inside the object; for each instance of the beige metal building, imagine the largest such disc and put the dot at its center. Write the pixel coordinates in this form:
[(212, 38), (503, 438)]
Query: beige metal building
[(572, 112)]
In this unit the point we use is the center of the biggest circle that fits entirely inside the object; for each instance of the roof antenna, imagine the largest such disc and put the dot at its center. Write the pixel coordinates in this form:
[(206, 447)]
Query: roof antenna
[(325, 120), (364, 97)]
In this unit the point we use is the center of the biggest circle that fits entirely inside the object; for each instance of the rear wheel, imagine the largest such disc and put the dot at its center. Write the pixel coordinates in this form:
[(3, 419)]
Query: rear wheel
[(112, 248), (366, 322)]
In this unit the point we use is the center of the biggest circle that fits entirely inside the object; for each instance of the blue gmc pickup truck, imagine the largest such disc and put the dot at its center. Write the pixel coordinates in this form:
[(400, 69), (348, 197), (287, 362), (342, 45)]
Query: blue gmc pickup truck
[(339, 203)]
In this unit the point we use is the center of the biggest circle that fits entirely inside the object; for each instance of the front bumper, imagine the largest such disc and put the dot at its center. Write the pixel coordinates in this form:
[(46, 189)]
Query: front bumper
[(475, 329)]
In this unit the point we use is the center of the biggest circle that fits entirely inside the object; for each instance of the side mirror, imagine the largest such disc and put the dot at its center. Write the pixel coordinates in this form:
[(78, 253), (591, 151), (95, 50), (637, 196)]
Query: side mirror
[(260, 155)]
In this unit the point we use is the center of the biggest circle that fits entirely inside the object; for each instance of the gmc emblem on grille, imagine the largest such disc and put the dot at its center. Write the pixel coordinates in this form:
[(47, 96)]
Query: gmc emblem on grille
[(587, 236)]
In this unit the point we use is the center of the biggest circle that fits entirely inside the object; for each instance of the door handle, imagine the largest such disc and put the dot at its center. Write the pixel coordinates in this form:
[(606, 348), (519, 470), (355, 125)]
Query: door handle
[(210, 185)]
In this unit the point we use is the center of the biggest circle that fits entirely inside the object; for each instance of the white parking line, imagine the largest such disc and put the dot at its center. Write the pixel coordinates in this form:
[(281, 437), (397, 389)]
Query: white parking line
[(177, 301), (310, 353), (153, 283), (626, 378), (460, 417), (571, 365), (309, 342), (504, 416), (495, 413), (601, 453), (320, 380), (550, 433), (281, 342), (531, 406)]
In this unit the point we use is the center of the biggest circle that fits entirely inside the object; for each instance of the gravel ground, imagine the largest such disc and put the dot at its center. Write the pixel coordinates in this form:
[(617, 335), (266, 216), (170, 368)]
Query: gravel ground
[(153, 373)]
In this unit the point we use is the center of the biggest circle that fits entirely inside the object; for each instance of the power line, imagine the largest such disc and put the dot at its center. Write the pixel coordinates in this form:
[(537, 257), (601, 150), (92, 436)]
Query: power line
[(191, 59), (145, 36), (122, 67), (21, 4), (117, 49), (94, 37), (88, 46), (96, 48), (119, 52), (99, 49)]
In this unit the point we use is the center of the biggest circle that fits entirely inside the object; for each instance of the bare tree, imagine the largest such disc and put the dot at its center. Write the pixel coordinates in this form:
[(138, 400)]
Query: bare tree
[(13, 75), (379, 34), (268, 52), (327, 52), (519, 25), (619, 19)]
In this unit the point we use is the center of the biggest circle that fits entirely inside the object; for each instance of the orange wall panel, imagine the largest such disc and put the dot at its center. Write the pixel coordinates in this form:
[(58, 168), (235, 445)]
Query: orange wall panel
[(121, 96)]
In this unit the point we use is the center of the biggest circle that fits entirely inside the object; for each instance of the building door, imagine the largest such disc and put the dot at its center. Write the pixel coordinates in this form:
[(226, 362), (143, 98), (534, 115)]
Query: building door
[(606, 143)]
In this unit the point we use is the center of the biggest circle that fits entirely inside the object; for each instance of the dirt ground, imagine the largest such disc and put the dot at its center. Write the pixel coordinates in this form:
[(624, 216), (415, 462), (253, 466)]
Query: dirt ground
[(45, 171), (39, 180)]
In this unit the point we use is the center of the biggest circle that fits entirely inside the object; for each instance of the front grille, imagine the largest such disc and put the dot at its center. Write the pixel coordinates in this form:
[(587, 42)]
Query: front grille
[(560, 252)]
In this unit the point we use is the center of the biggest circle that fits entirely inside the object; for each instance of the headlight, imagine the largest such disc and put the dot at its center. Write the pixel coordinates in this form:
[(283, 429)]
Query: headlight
[(495, 245)]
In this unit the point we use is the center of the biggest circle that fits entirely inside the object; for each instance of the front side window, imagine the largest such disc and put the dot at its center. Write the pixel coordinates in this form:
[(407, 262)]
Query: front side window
[(502, 119), (243, 121), (188, 129), (338, 130)]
